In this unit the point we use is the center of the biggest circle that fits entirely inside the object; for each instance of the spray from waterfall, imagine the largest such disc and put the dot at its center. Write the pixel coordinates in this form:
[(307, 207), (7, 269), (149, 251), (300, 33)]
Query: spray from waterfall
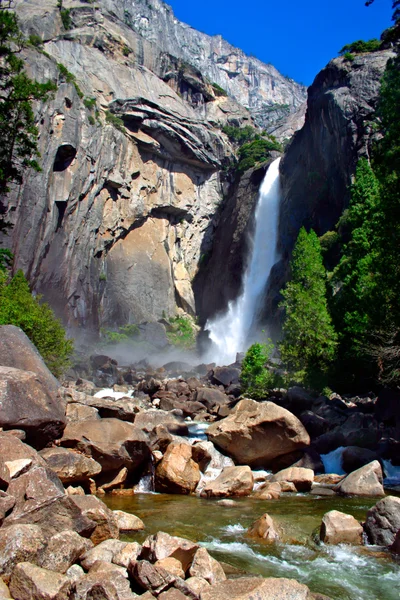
[(229, 333)]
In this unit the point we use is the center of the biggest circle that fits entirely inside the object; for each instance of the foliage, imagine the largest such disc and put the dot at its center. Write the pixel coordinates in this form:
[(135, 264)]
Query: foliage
[(126, 51), (239, 135), (35, 40), (18, 132), (125, 333), (18, 307), (361, 46), (218, 90), (255, 377), (328, 240), (182, 332), (255, 152), (6, 258), (115, 121), (66, 18), (69, 77), (90, 103), (348, 56), (309, 344)]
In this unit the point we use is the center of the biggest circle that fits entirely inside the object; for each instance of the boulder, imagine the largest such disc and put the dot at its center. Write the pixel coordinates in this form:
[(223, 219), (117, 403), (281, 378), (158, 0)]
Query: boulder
[(7, 502), (212, 399), (177, 472), (127, 554), (20, 543), (268, 491), (206, 567), (29, 582), (173, 594), (340, 528), (366, 481), (127, 522), (233, 481), (161, 545), (172, 565), (151, 577), (265, 529), (383, 521), (354, 457), (197, 584), (249, 588), (27, 403), (300, 477), (70, 466), (148, 420), (112, 443), (4, 591), (103, 552), (63, 550), (81, 412), (106, 525), (12, 449), (108, 585), (226, 375), (258, 432), (298, 399), (18, 352)]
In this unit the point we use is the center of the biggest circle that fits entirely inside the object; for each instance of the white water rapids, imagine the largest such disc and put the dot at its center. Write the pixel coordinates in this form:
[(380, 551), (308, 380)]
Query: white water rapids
[(229, 332)]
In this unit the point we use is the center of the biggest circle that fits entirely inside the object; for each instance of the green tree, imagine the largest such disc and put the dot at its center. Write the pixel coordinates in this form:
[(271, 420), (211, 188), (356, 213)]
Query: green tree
[(309, 343), (18, 133), (18, 307), (255, 377)]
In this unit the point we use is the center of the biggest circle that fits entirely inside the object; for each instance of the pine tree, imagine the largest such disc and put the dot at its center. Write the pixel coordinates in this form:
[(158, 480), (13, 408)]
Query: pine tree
[(309, 343)]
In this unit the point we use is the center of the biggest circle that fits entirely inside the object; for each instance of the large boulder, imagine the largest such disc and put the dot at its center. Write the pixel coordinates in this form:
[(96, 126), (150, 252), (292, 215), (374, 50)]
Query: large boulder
[(19, 543), (383, 521), (18, 352), (249, 588), (265, 529), (29, 582), (106, 524), (112, 443), (258, 432), (354, 457), (233, 481), (177, 472), (207, 567), (339, 528), (63, 550), (162, 545), (366, 481), (27, 403), (300, 477), (70, 466)]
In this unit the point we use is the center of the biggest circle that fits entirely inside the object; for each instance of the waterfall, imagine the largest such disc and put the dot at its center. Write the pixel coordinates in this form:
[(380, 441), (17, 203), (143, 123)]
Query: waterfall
[(230, 332)]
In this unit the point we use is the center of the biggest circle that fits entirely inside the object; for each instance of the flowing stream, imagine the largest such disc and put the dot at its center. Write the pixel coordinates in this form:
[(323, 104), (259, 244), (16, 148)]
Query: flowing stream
[(230, 331), (341, 572)]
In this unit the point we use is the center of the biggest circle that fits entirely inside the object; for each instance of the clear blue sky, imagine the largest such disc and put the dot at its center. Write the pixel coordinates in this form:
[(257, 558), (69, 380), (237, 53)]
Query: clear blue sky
[(298, 38)]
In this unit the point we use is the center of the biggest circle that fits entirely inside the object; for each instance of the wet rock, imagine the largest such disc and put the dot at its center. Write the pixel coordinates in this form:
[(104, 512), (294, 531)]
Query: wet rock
[(127, 522), (29, 582), (383, 521), (233, 481), (300, 477), (149, 420), (63, 550), (27, 403), (366, 481), (162, 545), (310, 459), (106, 525), (112, 443), (206, 567), (247, 588), (340, 528), (177, 472), (172, 565), (20, 543), (257, 433), (264, 528), (70, 466)]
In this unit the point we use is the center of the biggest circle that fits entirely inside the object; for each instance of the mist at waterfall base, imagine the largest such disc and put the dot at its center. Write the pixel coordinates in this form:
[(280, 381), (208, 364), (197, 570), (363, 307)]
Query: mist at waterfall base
[(235, 330)]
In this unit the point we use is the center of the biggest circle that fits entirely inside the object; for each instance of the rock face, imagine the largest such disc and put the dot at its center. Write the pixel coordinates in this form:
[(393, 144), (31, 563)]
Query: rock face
[(257, 433), (27, 403), (145, 192)]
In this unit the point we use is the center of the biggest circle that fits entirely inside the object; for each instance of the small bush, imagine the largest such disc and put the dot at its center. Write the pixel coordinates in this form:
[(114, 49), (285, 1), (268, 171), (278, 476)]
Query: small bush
[(69, 78), (361, 46), (125, 333), (18, 307), (126, 51), (328, 240), (35, 40), (115, 121), (240, 135), (256, 152), (182, 332), (348, 56), (218, 90), (66, 18), (92, 120), (255, 377), (90, 103)]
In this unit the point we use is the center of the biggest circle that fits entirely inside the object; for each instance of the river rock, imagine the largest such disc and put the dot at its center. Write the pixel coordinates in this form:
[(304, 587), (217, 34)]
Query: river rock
[(112, 443), (63, 550), (233, 481), (70, 466), (249, 588), (258, 432), (206, 567), (177, 472), (264, 528), (127, 522), (95, 510), (268, 491), (339, 528), (383, 521), (29, 582), (27, 403), (366, 481), (161, 545), (20, 543), (300, 477)]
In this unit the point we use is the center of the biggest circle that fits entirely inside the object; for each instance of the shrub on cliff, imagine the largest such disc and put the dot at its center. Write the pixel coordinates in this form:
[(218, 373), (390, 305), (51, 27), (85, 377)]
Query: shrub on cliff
[(18, 307), (256, 152)]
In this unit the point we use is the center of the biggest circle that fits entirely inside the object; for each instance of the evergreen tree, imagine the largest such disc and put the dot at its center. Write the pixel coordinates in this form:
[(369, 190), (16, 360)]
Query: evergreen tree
[(309, 343)]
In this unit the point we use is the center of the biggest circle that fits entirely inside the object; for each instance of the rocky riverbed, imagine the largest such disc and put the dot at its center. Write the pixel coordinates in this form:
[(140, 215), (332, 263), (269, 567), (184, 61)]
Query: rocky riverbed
[(218, 461)]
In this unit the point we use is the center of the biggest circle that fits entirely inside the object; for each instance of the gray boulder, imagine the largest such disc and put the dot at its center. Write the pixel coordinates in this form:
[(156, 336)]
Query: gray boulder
[(383, 521), (366, 481)]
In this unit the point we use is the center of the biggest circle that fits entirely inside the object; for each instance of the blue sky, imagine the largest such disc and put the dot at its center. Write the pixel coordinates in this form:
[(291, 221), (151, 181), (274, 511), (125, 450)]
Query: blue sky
[(298, 38)]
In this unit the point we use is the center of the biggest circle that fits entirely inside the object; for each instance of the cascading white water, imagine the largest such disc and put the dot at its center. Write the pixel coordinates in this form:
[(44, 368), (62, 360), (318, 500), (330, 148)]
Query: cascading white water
[(229, 332)]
